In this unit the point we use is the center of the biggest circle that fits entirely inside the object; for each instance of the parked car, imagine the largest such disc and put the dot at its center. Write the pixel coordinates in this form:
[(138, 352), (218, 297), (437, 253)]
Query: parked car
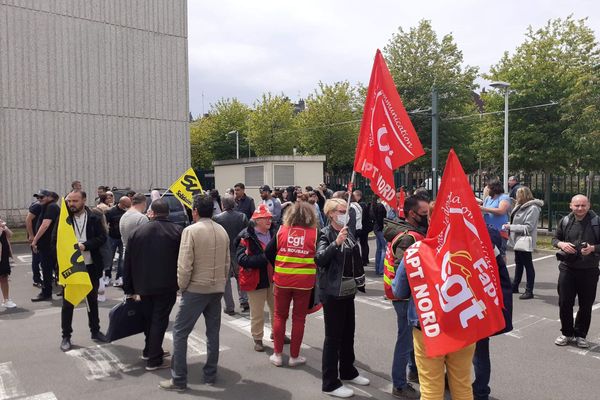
[(177, 212)]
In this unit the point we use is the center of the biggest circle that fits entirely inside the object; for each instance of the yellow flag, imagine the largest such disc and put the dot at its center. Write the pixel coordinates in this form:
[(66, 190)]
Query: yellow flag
[(72, 272), (186, 187)]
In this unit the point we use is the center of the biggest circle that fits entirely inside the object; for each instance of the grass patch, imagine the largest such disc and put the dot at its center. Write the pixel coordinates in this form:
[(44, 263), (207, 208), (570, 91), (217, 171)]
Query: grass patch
[(19, 235), (544, 242)]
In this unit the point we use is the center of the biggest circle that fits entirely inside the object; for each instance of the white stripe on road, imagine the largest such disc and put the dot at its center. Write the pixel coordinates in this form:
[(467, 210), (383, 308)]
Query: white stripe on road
[(9, 383), (375, 301), (25, 259), (100, 362), (534, 260), (196, 344), (243, 325), (43, 396)]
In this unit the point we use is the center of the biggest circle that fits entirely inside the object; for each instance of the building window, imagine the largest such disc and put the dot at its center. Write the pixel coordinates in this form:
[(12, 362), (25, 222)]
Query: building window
[(254, 176), (283, 175)]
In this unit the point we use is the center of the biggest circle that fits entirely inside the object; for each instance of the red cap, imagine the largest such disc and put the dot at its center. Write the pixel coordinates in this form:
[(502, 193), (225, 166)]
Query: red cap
[(262, 212)]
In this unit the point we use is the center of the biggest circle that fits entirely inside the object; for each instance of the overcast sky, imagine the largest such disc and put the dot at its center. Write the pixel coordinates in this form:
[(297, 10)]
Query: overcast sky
[(245, 48)]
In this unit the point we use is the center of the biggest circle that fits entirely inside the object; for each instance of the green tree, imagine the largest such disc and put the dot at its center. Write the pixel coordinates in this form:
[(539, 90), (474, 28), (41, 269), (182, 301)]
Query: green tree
[(554, 64), (268, 126), (201, 131), (418, 60), (329, 124)]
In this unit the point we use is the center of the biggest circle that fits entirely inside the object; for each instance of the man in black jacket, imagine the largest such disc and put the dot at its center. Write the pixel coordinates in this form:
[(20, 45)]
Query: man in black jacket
[(150, 272), (244, 203), (91, 236), (234, 222), (113, 217), (578, 238)]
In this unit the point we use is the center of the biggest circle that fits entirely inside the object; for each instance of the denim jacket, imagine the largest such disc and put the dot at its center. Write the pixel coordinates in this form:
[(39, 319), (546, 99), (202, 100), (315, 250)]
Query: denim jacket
[(401, 290)]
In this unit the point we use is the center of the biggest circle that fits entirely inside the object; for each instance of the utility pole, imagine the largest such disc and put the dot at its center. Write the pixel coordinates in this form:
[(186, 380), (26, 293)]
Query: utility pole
[(434, 141)]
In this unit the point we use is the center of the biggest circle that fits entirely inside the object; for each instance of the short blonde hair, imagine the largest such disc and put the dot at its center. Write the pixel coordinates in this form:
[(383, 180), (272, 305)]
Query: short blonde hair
[(524, 195), (333, 204)]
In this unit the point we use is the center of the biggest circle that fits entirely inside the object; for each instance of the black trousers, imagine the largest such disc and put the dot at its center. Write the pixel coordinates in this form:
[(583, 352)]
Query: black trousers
[(338, 347), (48, 261), (66, 315), (363, 237), (156, 310), (523, 259), (581, 283)]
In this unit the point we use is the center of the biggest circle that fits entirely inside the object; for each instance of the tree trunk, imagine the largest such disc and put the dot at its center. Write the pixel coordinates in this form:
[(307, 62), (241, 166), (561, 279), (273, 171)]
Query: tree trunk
[(547, 196)]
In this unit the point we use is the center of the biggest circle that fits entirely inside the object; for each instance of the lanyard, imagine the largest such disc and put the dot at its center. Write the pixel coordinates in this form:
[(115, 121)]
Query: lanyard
[(80, 231)]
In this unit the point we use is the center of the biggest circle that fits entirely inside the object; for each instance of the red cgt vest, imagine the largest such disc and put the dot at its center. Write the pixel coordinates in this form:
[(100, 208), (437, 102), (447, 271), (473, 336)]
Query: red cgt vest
[(295, 261), (389, 271)]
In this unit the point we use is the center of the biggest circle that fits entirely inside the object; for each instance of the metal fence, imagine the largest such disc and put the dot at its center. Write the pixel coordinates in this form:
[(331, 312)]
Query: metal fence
[(556, 205)]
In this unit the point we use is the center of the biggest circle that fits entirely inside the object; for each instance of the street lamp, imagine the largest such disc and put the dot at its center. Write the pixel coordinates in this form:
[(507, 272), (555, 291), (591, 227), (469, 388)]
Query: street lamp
[(505, 86), (237, 143)]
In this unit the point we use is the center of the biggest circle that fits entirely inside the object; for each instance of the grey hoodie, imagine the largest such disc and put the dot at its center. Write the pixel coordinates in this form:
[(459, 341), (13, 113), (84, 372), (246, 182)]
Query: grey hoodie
[(525, 218)]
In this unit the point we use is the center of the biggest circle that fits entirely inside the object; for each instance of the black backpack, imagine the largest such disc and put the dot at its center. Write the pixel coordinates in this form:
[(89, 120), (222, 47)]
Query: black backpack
[(595, 222)]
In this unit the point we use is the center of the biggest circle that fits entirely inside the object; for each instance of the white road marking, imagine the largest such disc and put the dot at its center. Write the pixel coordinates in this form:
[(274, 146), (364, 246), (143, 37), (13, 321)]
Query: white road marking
[(534, 260), (242, 324), (43, 396), (9, 383), (364, 393), (196, 344), (517, 331), (375, 301), (101, 362), (369, 281), (25, 259)]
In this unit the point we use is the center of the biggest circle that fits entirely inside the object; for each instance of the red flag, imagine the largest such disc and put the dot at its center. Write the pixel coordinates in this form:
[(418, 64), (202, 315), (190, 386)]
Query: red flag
[(453, 273), (401, 199), (387, 138)]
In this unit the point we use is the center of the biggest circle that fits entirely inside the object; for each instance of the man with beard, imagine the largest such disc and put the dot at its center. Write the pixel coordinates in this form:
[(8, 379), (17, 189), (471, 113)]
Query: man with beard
[(90, 236), (272, 203), (44, 243)]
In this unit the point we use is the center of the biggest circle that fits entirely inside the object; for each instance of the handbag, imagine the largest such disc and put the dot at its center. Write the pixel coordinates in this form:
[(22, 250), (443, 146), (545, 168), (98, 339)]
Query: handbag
[(125, 319), (524, 243)]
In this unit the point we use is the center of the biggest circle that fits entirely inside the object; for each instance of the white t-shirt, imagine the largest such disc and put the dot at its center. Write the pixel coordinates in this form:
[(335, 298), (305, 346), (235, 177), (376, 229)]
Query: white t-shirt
[(358, 210), (80, 225)]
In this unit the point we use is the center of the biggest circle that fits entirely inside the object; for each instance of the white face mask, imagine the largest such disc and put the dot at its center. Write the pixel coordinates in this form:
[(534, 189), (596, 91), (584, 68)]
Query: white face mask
[(341, 219)]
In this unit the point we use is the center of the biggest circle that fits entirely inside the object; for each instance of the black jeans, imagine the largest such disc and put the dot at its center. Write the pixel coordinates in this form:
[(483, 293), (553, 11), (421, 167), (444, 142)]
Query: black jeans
[(581, 283), (48, 261), (156, 310), (36, 267), (523, 259), (363, 236), (339, 343), (483, 370), (66, 315)]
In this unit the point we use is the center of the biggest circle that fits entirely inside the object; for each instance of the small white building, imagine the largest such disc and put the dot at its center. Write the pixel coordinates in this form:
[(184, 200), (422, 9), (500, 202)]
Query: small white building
[(275, 171)]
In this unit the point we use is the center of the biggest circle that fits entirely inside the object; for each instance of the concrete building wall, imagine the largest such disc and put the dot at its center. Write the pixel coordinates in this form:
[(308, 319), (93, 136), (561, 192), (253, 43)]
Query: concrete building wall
[(308, 171), (94, 90)]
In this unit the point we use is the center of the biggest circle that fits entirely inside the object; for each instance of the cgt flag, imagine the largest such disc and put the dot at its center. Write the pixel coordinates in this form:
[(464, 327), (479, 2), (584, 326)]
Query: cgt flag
[(186, 187), (387, 138), (401, 199), (453, 273), (72, 272)]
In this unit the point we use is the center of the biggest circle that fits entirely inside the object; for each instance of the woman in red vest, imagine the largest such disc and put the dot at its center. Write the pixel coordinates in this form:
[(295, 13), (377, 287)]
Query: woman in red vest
[(293, 251)]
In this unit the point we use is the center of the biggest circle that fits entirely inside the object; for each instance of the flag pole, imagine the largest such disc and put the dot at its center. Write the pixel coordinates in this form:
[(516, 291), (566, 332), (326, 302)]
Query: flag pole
[(350, 187)]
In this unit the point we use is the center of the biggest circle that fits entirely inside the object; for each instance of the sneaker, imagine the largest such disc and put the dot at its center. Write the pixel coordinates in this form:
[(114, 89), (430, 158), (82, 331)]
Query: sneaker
[(582, 343), (101, 297), (408, 392), (526, 296), (118, 282), (229, 312), (169, 385), (65, 344), (41, 297), (342, 392), (359, 380), (276, 359), (563, 340), (165, 354), (164, 365), (258, 346), (9, 304), (245, 307), (294, 362), (99, 337)]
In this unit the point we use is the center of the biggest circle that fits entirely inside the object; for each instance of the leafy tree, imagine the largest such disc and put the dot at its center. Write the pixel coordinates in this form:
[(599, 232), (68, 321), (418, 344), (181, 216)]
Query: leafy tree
[(268, 126), (418, 60), (201, 131), (327, 125)]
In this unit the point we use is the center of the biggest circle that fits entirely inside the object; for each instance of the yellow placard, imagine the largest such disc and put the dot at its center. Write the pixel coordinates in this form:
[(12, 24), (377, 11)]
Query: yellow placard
[(72, 272), (186, 187)]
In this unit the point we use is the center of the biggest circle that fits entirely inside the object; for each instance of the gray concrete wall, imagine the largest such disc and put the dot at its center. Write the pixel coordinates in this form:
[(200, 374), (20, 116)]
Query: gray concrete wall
[(95, 90)]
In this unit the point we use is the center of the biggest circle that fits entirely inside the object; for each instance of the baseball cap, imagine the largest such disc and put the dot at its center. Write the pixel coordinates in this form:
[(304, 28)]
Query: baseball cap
[(264, 188), (42, 193)]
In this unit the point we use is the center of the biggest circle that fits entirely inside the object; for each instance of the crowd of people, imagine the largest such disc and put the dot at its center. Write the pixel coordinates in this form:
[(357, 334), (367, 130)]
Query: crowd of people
[(304, 248)]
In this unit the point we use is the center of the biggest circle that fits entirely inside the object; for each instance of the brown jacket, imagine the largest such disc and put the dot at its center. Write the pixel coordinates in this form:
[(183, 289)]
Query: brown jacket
[(203, 263)]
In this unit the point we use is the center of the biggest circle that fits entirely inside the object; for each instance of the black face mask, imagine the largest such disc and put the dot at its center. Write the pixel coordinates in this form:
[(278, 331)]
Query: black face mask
[(423, 221)]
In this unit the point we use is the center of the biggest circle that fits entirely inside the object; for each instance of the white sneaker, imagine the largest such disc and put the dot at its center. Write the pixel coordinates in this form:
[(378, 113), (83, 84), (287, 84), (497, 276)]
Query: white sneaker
[(359, 380), (294, 362), (101, 297), (9, 304), (342, 392), (118, 282), (276, 359)]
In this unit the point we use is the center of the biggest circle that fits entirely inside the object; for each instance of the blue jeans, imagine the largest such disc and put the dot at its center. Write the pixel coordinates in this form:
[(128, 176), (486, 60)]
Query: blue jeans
[(114, 245), (380, 253), (403, 352), (483, 370), (193, 305)]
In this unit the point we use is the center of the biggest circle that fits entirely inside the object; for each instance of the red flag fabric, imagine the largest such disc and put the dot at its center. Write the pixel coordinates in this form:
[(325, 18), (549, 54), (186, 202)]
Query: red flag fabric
[(387, 138), (453, 273), (401, 199)]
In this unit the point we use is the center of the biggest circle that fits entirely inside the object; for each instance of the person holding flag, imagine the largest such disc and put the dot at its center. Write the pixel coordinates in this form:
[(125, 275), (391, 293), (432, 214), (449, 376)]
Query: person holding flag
[(80, 237)]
